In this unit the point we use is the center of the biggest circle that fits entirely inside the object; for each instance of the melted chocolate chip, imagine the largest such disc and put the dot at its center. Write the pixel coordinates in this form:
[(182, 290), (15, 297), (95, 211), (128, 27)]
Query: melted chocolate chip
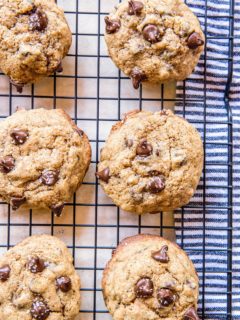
[(135, 7), (64, 284), (103, 175), (137, 76), (113, 252), (165, 297), (80, 132), (191, 314), (18, 86), (39, 309), (57, 209), (17, 202), (19, 136), (144, 288), (5, 272), (156, 184), (151, 33), (7, 164), (38, 20), (36, 265), (112, 26), (194, 40), (59, 67), (49, 177), (144, 148), (161, 255)]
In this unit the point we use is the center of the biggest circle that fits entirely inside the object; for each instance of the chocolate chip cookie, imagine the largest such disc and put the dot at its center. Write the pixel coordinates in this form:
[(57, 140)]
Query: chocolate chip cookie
[(154, 41), (151, 162), (34, 38), (38, 281), (150, 278), (43, 159)]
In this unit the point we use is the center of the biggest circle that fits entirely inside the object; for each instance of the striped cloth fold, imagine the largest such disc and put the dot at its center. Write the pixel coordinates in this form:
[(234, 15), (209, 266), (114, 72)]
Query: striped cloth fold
[(209, 227)]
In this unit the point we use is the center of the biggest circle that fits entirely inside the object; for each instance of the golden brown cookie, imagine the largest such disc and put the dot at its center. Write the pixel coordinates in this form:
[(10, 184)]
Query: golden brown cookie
[(151, 162), (150, 278), (38, 281), (34, 38), (43, 159), (154, 41)]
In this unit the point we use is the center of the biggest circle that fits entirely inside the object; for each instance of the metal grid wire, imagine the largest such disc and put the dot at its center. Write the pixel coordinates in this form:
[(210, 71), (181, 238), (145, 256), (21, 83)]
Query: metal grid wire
[(96, 94)]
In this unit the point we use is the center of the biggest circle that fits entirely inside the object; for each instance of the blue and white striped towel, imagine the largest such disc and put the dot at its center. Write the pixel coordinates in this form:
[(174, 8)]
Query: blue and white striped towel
[(201, 100)]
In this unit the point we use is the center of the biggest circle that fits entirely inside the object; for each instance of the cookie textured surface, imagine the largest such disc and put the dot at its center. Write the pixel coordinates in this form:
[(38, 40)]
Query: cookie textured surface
[(154, 41), (38, 281), (150, 278), (34, 38), (43, 159), (151, 162)]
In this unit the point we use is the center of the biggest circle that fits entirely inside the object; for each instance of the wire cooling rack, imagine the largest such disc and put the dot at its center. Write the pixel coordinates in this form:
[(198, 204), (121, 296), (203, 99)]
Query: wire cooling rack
[(96, 94)]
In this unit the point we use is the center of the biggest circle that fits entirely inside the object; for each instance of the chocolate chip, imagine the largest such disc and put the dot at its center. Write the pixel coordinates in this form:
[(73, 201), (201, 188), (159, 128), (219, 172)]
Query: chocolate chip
[(156, 184), (103, 175), (191, 314), (57, 209), (129, 143), (80, 132), (144, 288), (35, 265), (165, 297), (18, 86), (161, 255), (194, 40), (134, 7), (17, 202), (64, 284), (113, 252), (7, 163), (5, 272), (144, 148), (59, 67), (49, 177), (151, 33), (19, 136), (137, 76), (112, 26), (39, 309), (38, 20)]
